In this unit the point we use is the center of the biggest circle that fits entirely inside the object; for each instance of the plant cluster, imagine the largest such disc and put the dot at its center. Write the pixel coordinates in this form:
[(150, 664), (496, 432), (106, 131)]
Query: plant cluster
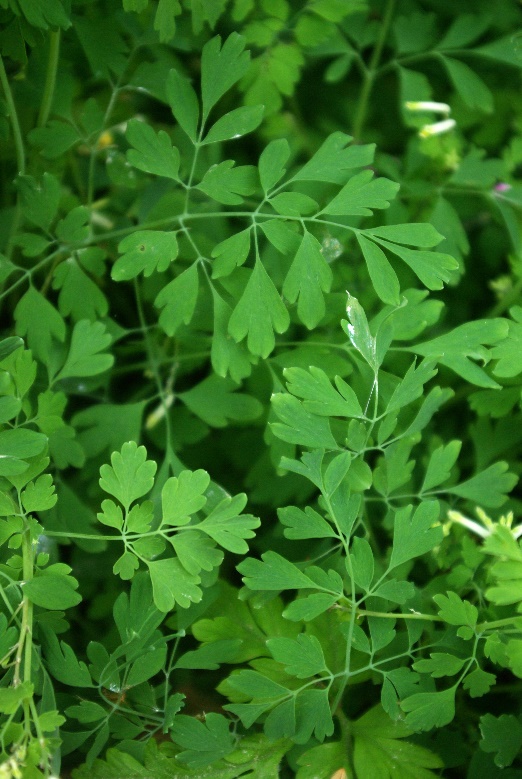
[(260, 388)]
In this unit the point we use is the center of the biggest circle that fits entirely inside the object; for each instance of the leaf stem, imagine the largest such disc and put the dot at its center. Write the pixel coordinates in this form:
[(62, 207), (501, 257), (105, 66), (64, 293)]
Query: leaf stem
[(371, 72), (13, 116), (393, 615), (50, 78)]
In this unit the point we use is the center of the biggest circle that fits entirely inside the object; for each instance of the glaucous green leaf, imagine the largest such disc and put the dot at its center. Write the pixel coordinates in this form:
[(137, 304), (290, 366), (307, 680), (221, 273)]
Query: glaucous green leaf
[(152, 152), (501, 736), (333, 159), (216, 401), (130, 475), (228, 527), (202, 742), (221, 67), (40, 322), (308, 278), (172, 584), (428, 710), (183, 496), (235, 124), (301, 524), (178, 300), (230, 253), (144, 251), (487, 488), (318, 394), (184, 103), (361, 194), (228, 184), (272, 163), (86, 357), (259, 313), (52, 591), (382, 275), (415, 532), (299, 426)]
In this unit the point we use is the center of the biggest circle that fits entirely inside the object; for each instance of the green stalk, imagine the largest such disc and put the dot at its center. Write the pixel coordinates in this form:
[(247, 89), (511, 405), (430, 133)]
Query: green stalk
[(13, 116), (50, 79), (370, 74)]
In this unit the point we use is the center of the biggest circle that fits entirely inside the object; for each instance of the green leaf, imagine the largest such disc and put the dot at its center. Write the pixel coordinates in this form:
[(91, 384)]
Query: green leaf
[(508, 352), (332, 160), (302, 657), (39, 200), (235, 124), (221, 68), (358, 331), (152, 152), (259, 313), (145, 251), (304, 524), (39, 495), (361, 194), (411, 386), (379, 747), (362, 562), (314, 386), (415, 533), (216, 402), (432, 268), (478, 683), (111, 514), (126, 566), (184, 103), (227, 356), (293, 204), (9, 345), (203, 742), (79, 295), (470, 87), (40, 322), (306, 281), (130, 475), (195, 552), (272, 163), (440, 664), (12, 697), (307, 609), (502, 736), (15, 446), (228, 527), (183, 496), (489, 487), (465, 343), (147, 666), (86, 711), (165, 19), (172, 584), (74, 227), (84, 358), (273, 572), (227, 184), (178, 300), (439, 467), (52, 591), (384, 278), (427, 710), (299, 426), (455, 611), (420, 234), (230, 253), (54, 139), (62, 662)]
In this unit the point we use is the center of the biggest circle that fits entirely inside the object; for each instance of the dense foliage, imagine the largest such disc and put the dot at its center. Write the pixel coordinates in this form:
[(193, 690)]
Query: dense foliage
[(260, 387)]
